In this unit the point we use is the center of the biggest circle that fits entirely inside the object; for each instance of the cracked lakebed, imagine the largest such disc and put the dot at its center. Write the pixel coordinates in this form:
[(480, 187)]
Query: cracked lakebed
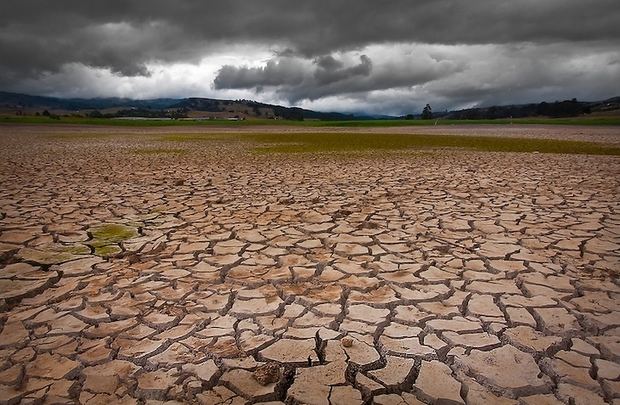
[(219, 276)]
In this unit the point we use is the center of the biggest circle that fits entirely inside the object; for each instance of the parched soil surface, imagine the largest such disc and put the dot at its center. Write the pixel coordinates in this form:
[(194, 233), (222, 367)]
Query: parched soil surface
[(206, 273), (600, 134)]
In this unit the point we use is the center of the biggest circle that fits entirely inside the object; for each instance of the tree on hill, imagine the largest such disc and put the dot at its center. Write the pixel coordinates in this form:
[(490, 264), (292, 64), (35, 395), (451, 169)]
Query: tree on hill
[(427, 112)]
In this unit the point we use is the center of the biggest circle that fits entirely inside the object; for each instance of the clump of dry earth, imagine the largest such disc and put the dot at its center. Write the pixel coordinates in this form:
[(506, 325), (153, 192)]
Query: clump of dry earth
[(219, 276)]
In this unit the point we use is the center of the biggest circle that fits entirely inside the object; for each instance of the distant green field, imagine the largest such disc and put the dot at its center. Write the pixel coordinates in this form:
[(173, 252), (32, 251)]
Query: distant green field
[(308, 123), (365, 142)]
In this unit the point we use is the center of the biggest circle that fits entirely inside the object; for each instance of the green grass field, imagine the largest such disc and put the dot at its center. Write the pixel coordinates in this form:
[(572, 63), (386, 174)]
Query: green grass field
[(365, 142), (308, 123)]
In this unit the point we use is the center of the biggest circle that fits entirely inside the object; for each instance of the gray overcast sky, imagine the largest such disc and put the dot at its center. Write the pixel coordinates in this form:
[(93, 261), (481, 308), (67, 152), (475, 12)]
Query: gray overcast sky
[(389, 56)]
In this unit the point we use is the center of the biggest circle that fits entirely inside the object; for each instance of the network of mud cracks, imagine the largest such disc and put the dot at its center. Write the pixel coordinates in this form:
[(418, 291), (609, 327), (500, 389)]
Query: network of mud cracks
[(452, 277)]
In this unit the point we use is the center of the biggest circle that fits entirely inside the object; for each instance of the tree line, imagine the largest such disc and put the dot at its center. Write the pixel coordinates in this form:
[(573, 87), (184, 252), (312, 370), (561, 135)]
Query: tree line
[(556, 109)]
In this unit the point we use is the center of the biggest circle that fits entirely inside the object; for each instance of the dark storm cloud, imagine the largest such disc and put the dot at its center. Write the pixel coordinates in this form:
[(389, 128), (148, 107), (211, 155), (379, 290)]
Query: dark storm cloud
[(329, 76), (328, 62), (369, 53), (296, 75), (498, 74), (36, 35), (333, 71), (277, 72)]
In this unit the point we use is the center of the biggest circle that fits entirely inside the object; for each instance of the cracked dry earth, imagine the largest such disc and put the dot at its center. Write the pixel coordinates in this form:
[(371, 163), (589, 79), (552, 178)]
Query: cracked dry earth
[(219, 276)]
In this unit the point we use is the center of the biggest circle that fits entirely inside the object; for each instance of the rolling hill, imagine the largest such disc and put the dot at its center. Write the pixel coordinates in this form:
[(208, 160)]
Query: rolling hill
[(194, 107), (208, 108)]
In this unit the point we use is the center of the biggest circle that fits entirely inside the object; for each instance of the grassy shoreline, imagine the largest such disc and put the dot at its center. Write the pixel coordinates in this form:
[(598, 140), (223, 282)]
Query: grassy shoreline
[(588, 121), (344, 142)]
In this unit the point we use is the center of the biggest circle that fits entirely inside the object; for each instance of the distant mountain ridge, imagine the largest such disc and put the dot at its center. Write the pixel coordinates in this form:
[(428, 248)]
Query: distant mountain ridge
[(192, 107), (25, 100), (564, 108), (206, 108)]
